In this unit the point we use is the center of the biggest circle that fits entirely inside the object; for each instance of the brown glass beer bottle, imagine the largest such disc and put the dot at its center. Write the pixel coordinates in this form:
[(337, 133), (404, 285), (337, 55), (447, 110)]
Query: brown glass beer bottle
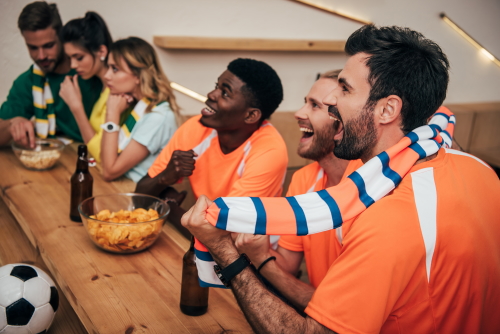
[(81, 183), (194, 298)]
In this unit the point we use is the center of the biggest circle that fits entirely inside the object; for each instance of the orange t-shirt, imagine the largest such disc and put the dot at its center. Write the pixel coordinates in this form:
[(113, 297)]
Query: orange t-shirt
[(256, 168), (320, 249), (423, 259)]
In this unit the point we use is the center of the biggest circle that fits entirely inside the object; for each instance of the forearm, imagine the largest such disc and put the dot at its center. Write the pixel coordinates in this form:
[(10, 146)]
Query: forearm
[(293, 289), (109, 150), (5, 135), (265, 312), (151, 186), (86, 129)]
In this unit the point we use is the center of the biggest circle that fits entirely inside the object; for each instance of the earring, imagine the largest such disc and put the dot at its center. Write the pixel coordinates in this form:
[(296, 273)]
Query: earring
[(103, 58)]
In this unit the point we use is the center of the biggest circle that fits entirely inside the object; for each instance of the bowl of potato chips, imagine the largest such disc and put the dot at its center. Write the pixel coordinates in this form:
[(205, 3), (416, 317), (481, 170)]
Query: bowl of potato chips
[(123, 223), (42, 157)]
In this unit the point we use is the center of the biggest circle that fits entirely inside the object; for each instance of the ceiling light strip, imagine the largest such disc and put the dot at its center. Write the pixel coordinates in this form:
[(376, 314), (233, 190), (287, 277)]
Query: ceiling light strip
[(331, 11), (188, 92), (471, 40)]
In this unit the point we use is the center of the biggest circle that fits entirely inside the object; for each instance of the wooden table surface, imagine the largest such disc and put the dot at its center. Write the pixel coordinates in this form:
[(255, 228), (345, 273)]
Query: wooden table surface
[(110, 293)]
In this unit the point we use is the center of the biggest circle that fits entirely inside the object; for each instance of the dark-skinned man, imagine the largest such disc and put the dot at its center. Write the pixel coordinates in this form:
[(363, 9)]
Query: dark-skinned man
[(230, 149), (35, 93), (420, 258)]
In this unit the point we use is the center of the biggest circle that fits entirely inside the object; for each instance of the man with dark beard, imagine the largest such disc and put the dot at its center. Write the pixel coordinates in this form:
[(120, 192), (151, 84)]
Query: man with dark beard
[(421, 245), (317, 144), (35, 93)]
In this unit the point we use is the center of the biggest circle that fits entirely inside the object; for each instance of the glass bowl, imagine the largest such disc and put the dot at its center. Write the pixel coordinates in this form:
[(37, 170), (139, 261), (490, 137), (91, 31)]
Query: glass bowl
[(44, 156), (104, 219)]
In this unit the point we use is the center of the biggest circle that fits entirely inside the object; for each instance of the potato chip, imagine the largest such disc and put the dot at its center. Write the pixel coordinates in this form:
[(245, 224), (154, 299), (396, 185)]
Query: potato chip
[(128, 237)]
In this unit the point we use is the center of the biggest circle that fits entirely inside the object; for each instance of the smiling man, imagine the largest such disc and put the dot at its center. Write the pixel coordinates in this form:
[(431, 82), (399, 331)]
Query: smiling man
[(424, 258), (321, 249), (236, 152), (35, 93)]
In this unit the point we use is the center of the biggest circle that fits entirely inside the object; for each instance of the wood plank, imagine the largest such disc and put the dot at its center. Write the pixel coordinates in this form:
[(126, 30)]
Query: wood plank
[(247, 44), (111, 293), (15, 247)]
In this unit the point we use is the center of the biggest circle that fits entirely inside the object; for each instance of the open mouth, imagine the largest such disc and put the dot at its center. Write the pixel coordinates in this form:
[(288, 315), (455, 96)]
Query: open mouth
[(306, 132), (207, 111)]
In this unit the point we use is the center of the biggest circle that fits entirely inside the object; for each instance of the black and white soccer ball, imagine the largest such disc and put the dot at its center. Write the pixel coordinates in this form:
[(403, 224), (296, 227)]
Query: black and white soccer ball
[(28, 299)]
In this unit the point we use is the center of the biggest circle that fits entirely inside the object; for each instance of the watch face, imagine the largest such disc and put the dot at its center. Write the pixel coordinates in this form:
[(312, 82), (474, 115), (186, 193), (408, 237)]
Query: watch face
[(110, 127)]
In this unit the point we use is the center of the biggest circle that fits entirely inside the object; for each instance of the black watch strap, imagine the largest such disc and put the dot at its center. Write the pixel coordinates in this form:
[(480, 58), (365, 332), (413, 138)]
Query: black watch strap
[(227, 274)]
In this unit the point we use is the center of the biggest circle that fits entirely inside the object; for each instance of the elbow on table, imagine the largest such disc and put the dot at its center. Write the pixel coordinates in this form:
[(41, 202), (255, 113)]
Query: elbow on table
[(109, 176)]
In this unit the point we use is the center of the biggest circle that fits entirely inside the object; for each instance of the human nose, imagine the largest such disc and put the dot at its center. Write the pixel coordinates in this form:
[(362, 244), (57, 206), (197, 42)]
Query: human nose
[(213, 95), (302, 112), (74, 63), (41, 54), (330, 99), (107, 76)]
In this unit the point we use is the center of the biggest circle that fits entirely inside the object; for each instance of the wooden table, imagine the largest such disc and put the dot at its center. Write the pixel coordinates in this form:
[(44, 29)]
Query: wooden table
[(136, 293)]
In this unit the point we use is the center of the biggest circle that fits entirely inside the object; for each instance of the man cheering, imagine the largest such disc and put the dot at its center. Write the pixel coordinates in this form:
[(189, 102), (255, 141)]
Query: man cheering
[(420, 256)]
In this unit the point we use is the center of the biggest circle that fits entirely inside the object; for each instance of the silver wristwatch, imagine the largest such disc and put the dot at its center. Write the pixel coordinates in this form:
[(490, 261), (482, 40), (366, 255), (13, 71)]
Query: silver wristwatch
[(110, 127)]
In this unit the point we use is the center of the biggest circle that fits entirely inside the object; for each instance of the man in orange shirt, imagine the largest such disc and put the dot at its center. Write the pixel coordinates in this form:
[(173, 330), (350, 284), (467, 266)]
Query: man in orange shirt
[(235, 150), (423, 259), (321, 249)]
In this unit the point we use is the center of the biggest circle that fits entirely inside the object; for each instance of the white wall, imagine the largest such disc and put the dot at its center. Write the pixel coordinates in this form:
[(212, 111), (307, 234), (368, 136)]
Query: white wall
[(473, 77)]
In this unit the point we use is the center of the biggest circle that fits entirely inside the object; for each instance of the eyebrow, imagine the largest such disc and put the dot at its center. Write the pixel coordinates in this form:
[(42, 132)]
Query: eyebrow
[(313, 100), (227, 86), (35, 46), (344, 82)]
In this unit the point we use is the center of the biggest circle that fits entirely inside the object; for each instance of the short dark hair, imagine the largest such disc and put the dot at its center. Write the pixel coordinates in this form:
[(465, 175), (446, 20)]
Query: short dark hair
[(403, 62), (262, 87), (39, 15), (89, 33)]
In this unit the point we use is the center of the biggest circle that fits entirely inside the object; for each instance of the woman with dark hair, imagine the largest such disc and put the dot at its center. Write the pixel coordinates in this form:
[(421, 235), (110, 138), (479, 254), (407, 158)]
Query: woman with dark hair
[(87, 41), (135, 77)]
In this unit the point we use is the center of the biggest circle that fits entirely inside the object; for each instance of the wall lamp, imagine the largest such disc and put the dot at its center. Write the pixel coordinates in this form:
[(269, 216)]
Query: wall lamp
[(469, 38), (188, 92), (331, 11)]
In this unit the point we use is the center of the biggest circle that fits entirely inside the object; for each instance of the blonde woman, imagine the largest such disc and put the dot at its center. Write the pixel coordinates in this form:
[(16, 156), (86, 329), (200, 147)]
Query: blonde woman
[(86, 42), (135, 78)]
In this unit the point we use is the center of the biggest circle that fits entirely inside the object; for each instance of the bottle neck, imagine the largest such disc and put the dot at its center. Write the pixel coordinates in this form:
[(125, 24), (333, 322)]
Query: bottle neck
[(82, 164), (191, 246)]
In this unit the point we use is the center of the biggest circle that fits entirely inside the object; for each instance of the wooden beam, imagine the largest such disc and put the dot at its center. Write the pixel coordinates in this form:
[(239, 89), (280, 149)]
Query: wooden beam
[(320, 6), (247, 44)]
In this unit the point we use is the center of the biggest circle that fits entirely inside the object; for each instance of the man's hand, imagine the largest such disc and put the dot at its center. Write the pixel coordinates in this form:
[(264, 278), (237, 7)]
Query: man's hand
[(181, 165), (22, 131), (256, 247), (71, 94), (194, 220)]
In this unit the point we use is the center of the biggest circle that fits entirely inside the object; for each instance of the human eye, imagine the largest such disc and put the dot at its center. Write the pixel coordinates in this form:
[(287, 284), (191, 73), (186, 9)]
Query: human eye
[(80, 58), (224, 93), (114, 68), (49, 45)]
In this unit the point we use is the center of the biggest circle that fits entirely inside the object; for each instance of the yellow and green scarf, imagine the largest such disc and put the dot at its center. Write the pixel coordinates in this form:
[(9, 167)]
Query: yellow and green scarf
[(135, 115), (43, 102)]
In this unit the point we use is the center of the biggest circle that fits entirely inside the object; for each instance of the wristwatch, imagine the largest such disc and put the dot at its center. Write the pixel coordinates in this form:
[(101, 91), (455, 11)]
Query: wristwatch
[(227, 274), (110, 127)]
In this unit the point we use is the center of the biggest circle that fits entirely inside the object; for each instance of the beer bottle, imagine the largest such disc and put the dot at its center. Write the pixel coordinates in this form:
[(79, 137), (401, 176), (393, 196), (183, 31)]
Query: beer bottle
[(81, 183), (194, 298)]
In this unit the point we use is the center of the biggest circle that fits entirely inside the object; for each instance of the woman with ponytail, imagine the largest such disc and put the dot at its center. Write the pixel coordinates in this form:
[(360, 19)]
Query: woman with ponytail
[(87, 41), (135, 78)]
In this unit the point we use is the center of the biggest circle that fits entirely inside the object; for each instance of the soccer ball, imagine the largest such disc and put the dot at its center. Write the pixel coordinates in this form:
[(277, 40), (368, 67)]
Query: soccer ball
[(28, 299)]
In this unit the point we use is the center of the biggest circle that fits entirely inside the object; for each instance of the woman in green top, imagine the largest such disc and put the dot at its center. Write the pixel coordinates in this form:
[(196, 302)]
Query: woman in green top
[(87, 41)]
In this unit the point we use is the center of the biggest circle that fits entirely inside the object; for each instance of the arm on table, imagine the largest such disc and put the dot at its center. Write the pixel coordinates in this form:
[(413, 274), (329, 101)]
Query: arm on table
[(265, 312)]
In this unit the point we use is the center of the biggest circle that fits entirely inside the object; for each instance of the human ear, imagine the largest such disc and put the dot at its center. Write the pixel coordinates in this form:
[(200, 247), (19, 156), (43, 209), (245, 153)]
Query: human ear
[(253, 115), (390, 109), (102, 52)]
